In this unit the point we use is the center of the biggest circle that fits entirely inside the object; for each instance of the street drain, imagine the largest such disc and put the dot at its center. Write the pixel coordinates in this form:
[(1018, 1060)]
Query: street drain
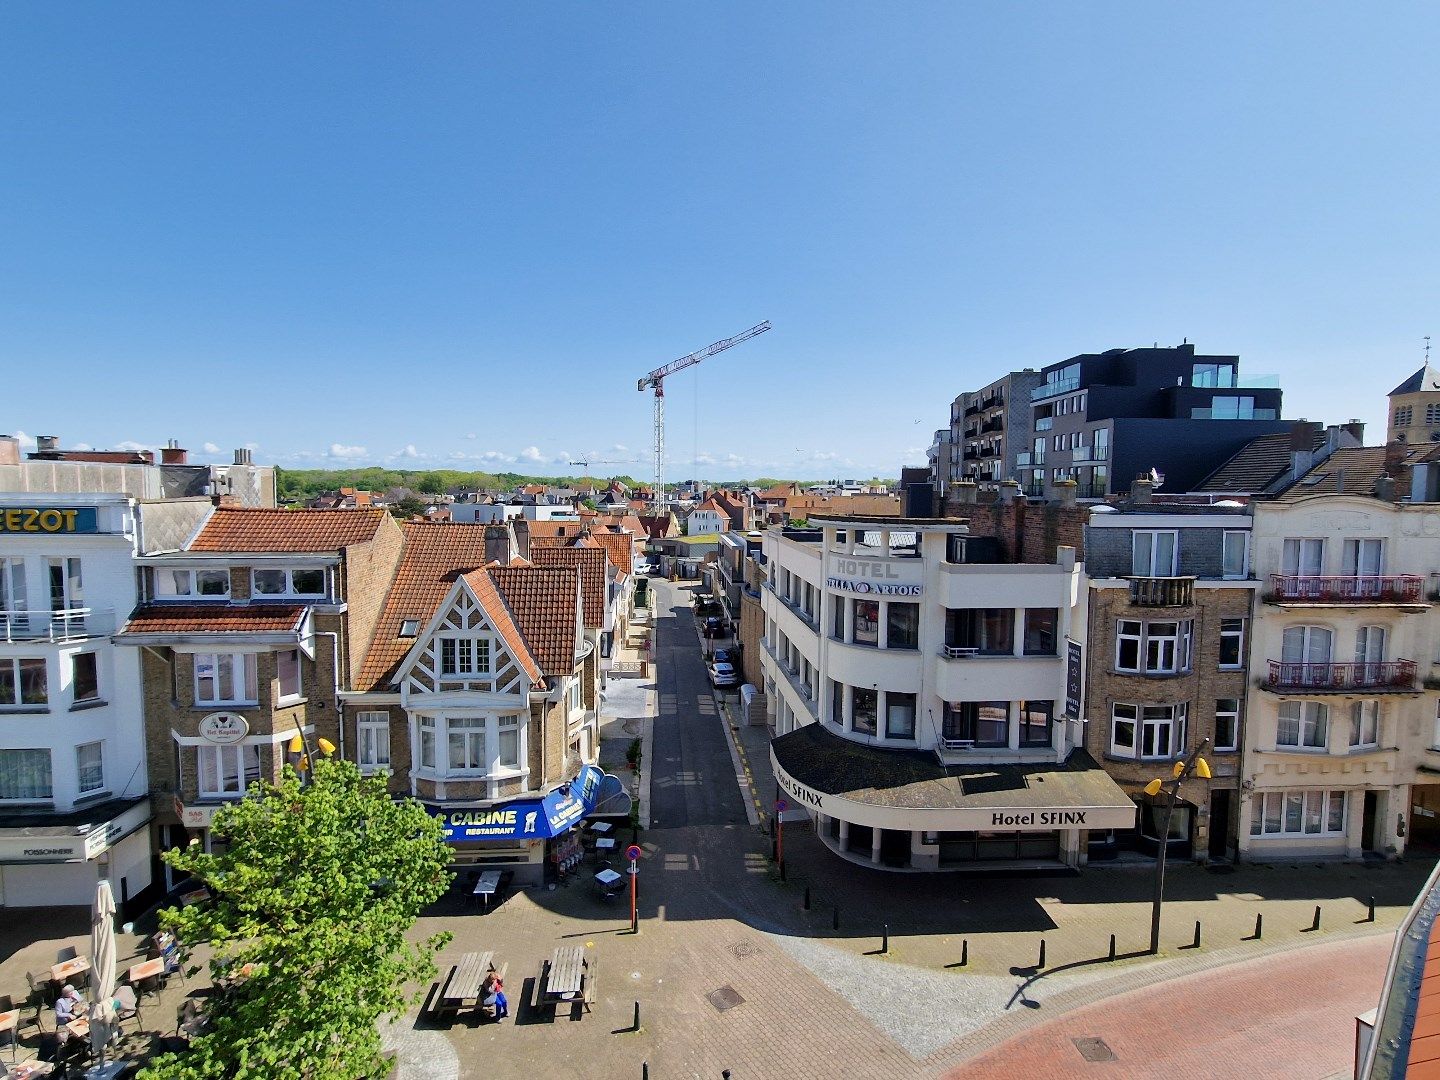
[(1094, 1049), (727, 998), (742, 949)]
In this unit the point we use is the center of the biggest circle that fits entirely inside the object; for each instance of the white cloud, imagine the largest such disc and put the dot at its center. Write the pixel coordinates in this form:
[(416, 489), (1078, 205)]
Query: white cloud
[(210, 448), (27, 442), (532, 454), (471, 435), (82, 446), (408, 451), (131, 445), (620, 448), (496, 456), (346, 453)]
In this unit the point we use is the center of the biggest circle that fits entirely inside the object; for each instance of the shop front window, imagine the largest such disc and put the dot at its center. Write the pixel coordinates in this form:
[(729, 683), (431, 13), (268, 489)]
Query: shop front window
[(863, 709)]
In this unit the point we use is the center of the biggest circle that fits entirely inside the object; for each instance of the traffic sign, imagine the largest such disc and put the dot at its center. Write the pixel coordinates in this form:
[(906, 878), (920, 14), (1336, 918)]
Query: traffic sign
[(632, 852), (781, 806)]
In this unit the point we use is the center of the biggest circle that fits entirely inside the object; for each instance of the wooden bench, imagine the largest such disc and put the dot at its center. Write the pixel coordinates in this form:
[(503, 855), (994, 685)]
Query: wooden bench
[(461, 989), (592, 980)]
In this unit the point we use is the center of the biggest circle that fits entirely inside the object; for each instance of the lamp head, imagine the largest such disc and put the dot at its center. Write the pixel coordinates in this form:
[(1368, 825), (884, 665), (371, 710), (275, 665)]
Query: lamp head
[(1202, 768), (326, 746), (1179, 770), (1152, 788), (297, 744)]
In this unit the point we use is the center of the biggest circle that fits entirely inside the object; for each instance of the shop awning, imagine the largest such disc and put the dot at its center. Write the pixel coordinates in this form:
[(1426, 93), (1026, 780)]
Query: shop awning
[(910, 789), (534, 818), (76, 836)]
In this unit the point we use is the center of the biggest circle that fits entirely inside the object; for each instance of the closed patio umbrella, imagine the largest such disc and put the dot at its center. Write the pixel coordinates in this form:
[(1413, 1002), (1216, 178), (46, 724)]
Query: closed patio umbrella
[(102, 962)]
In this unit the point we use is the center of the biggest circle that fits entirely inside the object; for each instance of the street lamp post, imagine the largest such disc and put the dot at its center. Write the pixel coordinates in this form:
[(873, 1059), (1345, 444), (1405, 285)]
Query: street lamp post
[(1192, 765)]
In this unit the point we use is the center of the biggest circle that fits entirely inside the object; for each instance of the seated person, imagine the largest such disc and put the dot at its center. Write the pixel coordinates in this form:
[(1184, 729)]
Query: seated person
[(68, 1006)]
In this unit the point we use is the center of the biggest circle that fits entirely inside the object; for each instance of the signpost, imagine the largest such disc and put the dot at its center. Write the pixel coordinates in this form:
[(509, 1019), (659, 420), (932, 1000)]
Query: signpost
[(780, 807), (633, 854)]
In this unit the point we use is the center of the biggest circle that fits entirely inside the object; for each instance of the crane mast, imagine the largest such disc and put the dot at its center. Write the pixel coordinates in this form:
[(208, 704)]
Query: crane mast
[(656, 381)]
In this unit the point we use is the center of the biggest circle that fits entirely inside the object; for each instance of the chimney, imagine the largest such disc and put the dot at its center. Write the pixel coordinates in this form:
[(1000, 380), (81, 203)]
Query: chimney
[(1356, 428), (967, 492), (1141, 489), (46, 444), (1008, 490), (9, 450), (1385, 489), (171, 454), (1065, 491), (1302, 447), (242, 456), (498, 544)]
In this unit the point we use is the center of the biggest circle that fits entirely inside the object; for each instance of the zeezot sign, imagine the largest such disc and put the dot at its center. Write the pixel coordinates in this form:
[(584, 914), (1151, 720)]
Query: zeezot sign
[(48, 519), (524, 819)]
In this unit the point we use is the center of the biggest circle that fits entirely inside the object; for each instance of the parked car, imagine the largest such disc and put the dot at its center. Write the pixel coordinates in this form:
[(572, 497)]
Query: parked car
[(723, 656), (723, 675), (715, 626)]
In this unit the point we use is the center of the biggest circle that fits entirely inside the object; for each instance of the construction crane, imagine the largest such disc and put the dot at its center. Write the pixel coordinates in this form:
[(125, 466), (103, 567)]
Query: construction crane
[(656, 381), (598, 461)]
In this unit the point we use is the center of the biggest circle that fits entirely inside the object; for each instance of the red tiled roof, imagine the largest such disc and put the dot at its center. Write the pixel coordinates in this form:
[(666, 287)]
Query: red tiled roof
[(620, 548), (591, 563), (214, 619), (542, 601), (235, 529), (483, 586), (563, 527), (436, 553)]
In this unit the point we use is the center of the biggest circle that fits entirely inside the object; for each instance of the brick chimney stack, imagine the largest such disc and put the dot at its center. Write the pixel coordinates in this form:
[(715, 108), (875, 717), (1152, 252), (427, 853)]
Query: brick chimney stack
[(171, 454)]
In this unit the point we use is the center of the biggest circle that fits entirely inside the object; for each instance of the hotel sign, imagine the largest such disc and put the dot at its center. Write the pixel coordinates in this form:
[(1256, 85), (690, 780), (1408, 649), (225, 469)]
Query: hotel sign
[(876, 577), (48, 519)]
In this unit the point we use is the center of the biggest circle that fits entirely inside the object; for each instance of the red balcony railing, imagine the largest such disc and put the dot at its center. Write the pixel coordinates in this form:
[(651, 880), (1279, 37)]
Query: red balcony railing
[(1381, 675), (1363, 588)]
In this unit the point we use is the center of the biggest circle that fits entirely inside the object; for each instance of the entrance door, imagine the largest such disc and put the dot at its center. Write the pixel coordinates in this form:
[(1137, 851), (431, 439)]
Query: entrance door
[(895, 847), (1367, 829), (1219, 823)]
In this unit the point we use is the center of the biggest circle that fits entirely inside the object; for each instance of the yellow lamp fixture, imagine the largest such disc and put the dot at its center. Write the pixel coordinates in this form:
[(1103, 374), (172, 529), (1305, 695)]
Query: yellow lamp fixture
[(1153, 788), (297, 745), (1202, 768), (326, 746)]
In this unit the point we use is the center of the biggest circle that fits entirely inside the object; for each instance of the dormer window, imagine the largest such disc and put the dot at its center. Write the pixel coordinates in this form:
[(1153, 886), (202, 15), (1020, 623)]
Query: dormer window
[(464, 657), (299, 584), (191, 584)]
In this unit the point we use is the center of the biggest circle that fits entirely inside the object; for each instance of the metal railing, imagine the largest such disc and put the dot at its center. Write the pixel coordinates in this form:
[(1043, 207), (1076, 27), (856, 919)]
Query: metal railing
[(959, 652), (1051, 389), (1362, 675), (1162, 591), (1344, 589), (68, 624)]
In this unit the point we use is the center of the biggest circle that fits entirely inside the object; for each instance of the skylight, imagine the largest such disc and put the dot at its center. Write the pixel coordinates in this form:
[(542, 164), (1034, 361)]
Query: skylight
[(410, 627)]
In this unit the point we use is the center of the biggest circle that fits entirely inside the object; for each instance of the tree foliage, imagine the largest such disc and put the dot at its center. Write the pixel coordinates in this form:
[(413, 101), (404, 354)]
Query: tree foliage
[(318, 886)]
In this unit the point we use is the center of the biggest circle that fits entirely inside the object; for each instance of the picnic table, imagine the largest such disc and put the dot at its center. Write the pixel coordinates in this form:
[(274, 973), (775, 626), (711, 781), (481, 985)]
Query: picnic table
[(604, 845), (68, 969), (462, 989), (568, 976), (602, 827), (486, 885)]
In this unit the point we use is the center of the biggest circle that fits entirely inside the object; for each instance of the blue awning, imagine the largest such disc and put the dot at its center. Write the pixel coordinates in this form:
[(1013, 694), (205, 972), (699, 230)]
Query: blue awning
[(525, 819)]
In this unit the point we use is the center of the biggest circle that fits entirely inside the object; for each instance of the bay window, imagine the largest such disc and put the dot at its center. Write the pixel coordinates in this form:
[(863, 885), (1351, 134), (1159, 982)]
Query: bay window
[(427, 742), (466, 745), (1148, 731), (1123, 720), (509, 755), (1313, 812), (373, 735), (227, 770), (226, 679), (1153, 648), (1303, 725), (867, 622), (25, 776), (469, 746), (902, 625)]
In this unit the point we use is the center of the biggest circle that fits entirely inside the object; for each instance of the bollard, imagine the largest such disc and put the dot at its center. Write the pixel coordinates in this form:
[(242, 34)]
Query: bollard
[(1196, 943), (1259, 924), (835, 923), (1041, 964), (644, 1070), (1112, 947), (782, 869), (725, 1074), (1315, 925), (805, 906), (1371, 916), (636, 1024), (964, 951), (884, 938)]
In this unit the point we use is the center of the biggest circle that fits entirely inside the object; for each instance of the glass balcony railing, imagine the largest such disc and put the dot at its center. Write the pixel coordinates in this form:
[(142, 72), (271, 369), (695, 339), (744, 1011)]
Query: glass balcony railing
[(1051, 389)]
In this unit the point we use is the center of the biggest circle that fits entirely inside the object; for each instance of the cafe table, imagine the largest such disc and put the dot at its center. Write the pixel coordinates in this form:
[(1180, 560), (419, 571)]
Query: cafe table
[(146, 971), (67, 970)]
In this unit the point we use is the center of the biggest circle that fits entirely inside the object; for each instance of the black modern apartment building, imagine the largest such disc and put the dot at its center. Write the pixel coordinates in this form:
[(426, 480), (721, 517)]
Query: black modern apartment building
[(1102, 419)]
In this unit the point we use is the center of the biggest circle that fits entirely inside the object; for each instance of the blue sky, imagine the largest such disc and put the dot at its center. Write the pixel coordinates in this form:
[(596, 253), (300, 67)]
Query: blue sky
[(456, 234)]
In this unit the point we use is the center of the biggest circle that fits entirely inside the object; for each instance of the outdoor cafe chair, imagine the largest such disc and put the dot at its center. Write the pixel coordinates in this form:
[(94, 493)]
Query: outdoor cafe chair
[(42, 985), (69, 952)]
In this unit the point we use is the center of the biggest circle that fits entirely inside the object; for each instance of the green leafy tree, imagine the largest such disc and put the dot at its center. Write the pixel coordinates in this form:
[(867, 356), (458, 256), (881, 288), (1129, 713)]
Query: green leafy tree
[(430, 483), (317, 887)]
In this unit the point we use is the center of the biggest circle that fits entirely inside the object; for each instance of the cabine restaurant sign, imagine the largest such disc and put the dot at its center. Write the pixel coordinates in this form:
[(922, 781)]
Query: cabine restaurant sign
[(873, 577), (525, 819), (224, 728)]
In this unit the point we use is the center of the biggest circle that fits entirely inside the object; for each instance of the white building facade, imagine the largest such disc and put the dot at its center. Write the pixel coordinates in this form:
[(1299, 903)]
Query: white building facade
[(73, 785), (1343, 737), (926, 702)]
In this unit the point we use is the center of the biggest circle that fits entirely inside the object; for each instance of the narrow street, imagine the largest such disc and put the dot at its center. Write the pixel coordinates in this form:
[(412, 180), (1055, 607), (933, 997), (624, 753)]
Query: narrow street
[(693, 781)]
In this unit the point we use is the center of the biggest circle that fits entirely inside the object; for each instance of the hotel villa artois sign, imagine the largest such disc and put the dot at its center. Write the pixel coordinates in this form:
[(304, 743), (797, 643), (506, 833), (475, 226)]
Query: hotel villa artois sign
[(871, 577)]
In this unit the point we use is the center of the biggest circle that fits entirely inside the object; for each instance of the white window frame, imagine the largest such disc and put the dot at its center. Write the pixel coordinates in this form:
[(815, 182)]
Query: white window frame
[(1233, 743), (1230, 538), (1173, 726), (14, 663), (468, 652), (1124, 717), (1239, 636), (246, 686), (1145, 552), (236, 767), (470, 731), (491, 731), (1371, 640), (1312, 717), (185, 583), (1317, 804), (1302, 556), (372, 738), (96, 769), (12, 585), (1364, 724), (1357, 551), (1172, 653), (289, 592), (40, 797), (281, 696)]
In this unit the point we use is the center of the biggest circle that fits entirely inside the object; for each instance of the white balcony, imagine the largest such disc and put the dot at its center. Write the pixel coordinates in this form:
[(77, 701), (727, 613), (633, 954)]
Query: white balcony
[(1000, 678), (67, 624)]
